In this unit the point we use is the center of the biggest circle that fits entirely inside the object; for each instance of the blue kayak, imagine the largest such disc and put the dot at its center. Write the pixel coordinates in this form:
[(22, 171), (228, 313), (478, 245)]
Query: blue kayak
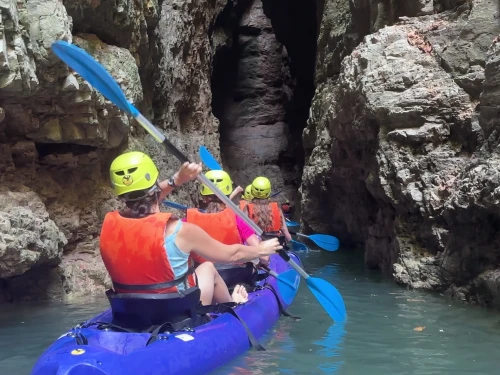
[(167, 334)]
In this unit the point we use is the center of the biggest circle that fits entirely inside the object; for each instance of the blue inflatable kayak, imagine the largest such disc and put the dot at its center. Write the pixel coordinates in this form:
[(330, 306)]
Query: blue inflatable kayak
[(167, 334)]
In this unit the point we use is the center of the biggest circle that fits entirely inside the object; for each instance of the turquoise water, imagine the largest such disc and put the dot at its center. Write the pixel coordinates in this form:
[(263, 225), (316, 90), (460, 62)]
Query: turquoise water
[(377, 339)]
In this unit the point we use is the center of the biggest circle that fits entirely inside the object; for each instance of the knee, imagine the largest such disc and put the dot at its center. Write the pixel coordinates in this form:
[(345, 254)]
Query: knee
[(206, 267)]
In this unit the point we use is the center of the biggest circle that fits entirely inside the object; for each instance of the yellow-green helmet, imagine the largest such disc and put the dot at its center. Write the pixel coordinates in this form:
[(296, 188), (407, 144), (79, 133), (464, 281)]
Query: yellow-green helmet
[(261, 188), (247, 195), (132, 171), (221, 179)]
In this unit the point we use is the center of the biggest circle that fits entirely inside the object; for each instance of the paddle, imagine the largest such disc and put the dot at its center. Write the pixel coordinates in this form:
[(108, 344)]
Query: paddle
[(327, 295), (100, 79), (298, 246), (211, 163), (287, 283), (177, 205), (326, 242), (290, 223)]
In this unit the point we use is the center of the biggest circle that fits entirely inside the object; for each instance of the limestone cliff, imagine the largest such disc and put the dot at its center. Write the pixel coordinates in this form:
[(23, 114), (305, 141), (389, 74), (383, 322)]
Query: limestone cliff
[(404, 128), (58, 135)]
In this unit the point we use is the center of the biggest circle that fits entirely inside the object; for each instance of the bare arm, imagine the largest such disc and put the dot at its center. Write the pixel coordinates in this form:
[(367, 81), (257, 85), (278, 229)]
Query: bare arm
[(284, 228), (253, 240), (187, 172), (193, 238), (166, 189), (235, 192)]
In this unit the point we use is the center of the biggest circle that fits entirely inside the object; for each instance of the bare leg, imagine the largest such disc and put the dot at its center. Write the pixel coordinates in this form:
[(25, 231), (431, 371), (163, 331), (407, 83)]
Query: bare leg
[(214, 289)]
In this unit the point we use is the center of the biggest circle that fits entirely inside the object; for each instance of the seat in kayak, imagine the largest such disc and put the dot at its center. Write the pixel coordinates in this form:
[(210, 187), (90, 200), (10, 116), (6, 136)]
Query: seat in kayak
[(139, 311), (233, 275)]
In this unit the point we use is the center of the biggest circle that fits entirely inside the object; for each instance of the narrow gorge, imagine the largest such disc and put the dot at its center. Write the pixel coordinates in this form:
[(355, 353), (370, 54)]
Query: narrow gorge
[(378, 117)]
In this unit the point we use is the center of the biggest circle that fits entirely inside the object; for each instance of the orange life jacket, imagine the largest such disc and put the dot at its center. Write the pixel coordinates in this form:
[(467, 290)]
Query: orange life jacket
[(275, 216), (134, 254), (220, 226)]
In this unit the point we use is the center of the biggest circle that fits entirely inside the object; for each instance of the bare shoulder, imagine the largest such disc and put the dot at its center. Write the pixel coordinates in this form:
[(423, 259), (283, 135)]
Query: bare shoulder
[(171, 225), (189, 229)]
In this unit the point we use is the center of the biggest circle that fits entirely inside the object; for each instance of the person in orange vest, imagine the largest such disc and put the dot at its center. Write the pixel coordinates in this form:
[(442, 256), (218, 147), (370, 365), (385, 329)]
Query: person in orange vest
[(266, 214), (287, 207), (219, 221), (147, 251)]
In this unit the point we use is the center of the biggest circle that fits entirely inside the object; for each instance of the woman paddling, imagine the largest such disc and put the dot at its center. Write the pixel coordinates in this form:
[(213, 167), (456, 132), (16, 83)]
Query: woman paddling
[(266, 214), (219, 221), (147, 251)]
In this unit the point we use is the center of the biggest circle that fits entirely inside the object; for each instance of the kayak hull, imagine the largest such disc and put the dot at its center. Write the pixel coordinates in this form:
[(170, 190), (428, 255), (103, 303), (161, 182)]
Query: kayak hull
[(199, 351)]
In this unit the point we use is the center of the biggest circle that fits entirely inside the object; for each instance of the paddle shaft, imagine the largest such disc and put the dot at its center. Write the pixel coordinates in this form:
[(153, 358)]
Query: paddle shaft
[(299, 234), (169, 147), (291, 262), (269, 271)]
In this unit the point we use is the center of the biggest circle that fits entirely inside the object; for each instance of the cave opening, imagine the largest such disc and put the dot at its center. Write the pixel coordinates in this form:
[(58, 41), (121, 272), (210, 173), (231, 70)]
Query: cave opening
[(262, 87)]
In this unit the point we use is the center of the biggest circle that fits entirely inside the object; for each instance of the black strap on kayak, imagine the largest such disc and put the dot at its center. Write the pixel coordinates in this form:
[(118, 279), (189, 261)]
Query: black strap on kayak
[(222, 308), (168, 284), (185, 325), (280, 305), (79, 338), (116, 327)]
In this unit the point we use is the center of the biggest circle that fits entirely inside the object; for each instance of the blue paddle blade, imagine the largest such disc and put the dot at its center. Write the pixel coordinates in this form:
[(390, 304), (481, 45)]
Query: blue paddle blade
[(329, 297), (175, 205), (298, 246), (325, 241), (85, 65), (209, 160), (288, 284)]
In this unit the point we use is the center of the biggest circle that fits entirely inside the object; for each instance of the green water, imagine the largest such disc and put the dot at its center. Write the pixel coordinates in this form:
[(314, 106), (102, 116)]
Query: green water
[(377, 339)]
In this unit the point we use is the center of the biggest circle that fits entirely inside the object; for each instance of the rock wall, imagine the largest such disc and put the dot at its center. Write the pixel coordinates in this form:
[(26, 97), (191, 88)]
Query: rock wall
[(58, 135), (404, 128), (262, 89), (253, 128)]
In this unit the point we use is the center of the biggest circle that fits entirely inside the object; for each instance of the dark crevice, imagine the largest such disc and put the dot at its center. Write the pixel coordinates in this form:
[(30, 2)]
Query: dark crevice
[(39, 283), (294, 26), (45, 149)]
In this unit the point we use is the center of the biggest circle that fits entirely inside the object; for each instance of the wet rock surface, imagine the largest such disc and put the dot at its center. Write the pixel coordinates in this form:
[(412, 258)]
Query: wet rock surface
[(404, 129)]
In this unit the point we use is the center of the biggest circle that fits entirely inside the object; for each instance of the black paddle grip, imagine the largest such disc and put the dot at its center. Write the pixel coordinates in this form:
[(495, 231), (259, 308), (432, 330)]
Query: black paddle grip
[(283, 254), (169, 147)]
